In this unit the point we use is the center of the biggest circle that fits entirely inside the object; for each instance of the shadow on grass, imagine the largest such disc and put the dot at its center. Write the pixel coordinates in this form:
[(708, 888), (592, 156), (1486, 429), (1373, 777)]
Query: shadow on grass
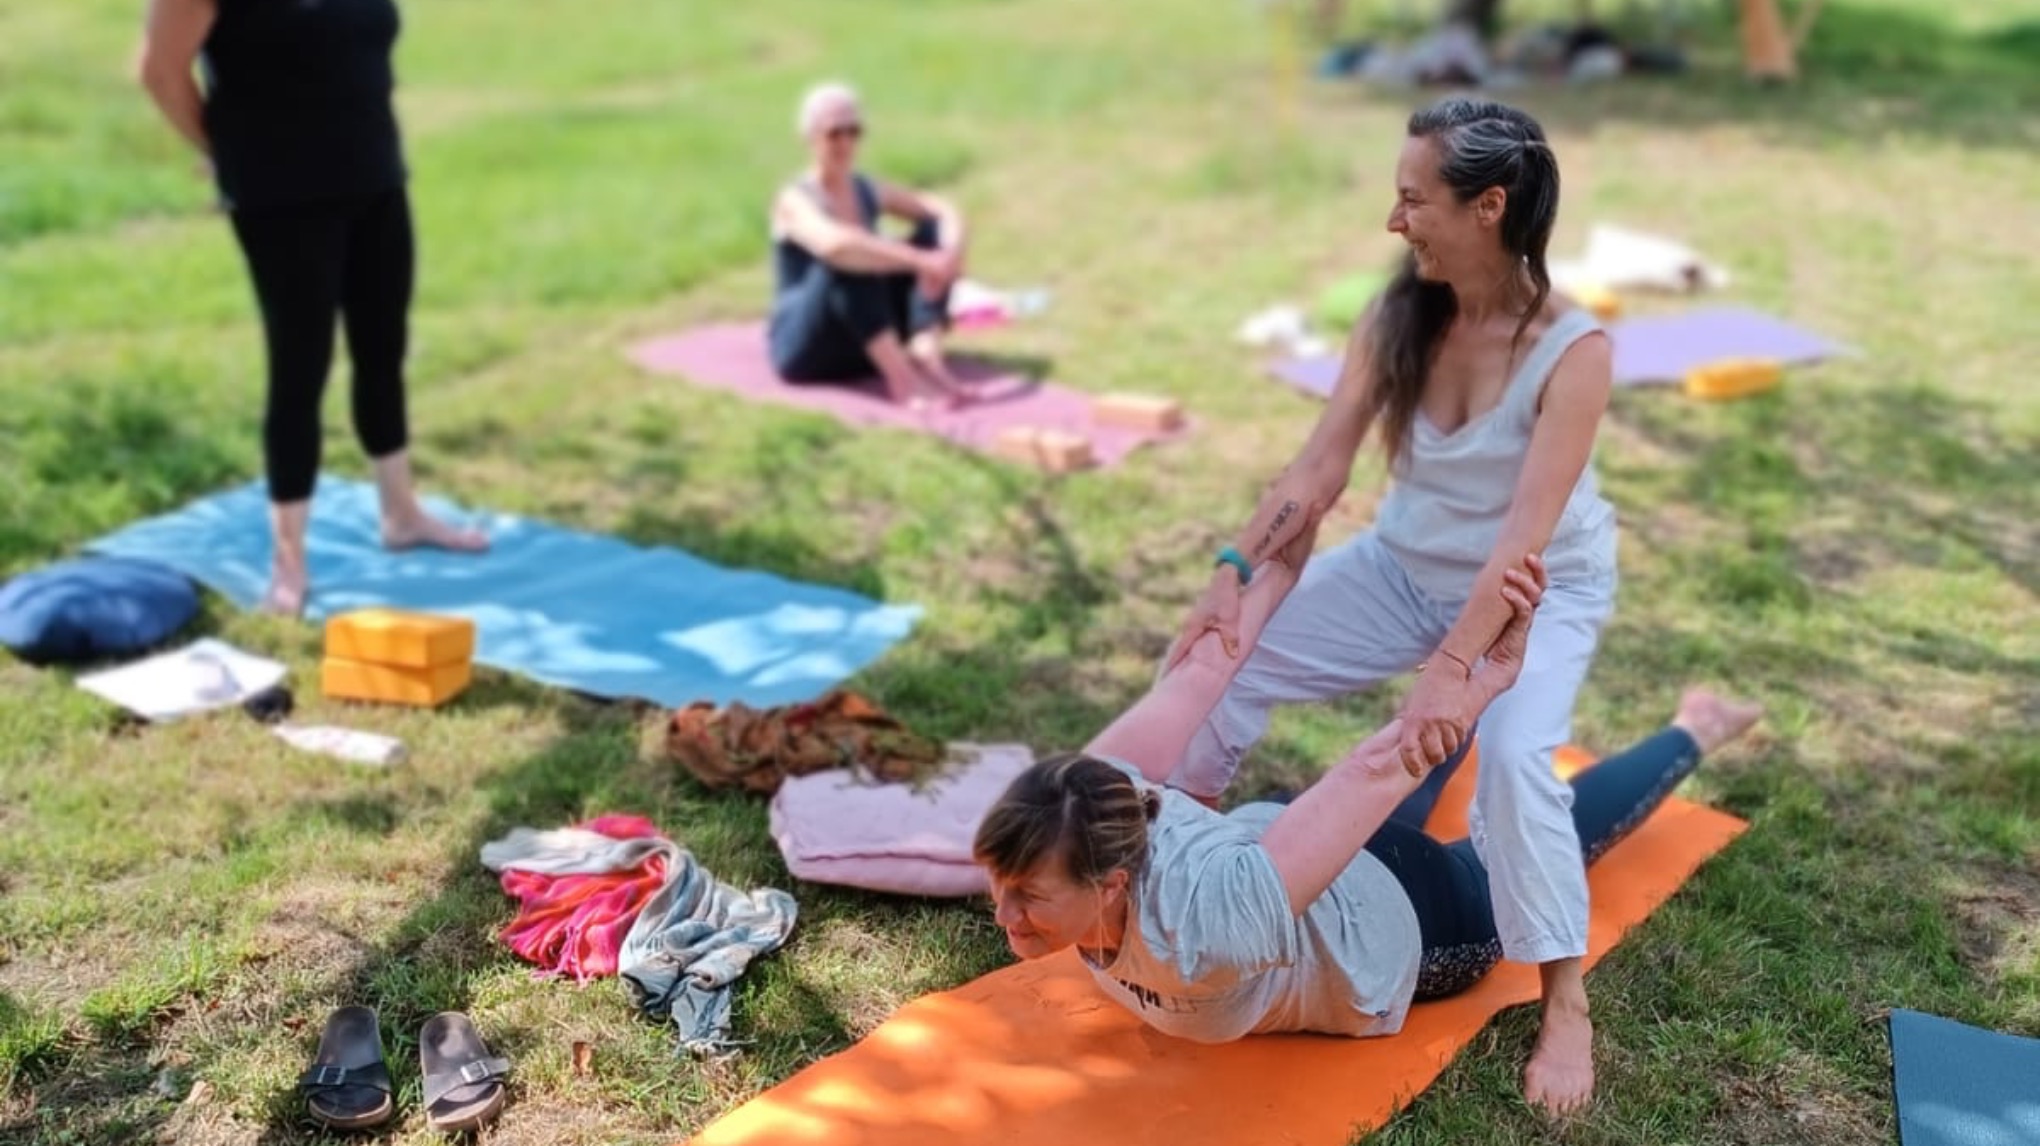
[(1015, 682), (84, 456)]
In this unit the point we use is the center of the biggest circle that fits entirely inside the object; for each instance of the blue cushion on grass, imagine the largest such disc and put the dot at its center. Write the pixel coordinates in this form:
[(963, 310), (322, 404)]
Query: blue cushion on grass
[(94, 607)]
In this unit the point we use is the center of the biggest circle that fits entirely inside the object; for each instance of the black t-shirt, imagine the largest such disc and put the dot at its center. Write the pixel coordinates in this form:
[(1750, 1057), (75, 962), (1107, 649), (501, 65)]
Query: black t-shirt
[(298, 99)]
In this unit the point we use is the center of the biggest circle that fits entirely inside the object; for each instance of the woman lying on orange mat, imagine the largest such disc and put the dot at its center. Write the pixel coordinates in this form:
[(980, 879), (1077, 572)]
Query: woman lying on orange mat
[(1331, 913)]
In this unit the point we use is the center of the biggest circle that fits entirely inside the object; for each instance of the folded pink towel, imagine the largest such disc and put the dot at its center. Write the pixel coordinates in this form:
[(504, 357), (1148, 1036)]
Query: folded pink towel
[(834, 827)]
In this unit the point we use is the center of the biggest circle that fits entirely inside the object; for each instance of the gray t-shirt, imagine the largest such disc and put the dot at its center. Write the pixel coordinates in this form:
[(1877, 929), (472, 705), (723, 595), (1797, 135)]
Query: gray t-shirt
[(1212, 951)]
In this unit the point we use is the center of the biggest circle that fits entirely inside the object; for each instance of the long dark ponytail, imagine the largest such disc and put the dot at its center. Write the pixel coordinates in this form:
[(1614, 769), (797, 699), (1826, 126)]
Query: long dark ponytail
[(1481, 144)]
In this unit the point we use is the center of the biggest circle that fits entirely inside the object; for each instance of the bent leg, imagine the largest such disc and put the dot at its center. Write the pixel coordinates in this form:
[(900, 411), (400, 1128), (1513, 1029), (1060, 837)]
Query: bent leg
[(1522, 812), (822, 327)]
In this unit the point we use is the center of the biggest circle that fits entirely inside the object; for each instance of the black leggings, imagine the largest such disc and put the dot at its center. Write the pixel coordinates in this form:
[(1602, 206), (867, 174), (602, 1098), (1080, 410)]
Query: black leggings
[(1448, 885), (352, 259), (821, 325)]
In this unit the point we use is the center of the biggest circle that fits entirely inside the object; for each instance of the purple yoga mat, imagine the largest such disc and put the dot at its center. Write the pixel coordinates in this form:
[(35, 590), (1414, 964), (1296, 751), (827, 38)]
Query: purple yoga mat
[(1312, 375), (731, 357), (1662, 348), (1653, 349)]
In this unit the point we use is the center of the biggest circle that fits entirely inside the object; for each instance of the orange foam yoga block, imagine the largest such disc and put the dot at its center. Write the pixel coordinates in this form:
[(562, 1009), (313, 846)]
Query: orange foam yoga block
[(405, 640), (1138, 411), (1604, 303), (429, 687), (1053, 450), (1734, 378)]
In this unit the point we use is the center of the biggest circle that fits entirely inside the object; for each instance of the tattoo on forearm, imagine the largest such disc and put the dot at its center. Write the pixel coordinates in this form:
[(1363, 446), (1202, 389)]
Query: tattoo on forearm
[(1274, 527)]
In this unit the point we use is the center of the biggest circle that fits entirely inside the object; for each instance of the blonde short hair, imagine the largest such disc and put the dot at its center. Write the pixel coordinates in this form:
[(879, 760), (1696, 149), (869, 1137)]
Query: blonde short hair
[(819, 99)]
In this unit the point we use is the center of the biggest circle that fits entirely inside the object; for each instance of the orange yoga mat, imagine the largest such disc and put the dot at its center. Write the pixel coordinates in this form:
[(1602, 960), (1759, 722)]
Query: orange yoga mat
[(1032, 1054)]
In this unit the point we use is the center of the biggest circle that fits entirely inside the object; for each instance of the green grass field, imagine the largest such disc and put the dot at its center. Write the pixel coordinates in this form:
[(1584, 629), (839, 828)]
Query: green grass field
[(1860, 550)]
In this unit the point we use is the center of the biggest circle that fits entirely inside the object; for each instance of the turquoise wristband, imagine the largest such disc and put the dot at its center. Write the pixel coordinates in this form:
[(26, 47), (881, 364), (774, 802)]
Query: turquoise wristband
[(1231, 556)]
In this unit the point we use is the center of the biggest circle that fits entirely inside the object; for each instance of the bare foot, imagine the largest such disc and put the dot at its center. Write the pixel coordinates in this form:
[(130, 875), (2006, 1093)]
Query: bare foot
[(1713, 720), (1560, 1076), (418, 528), (935, 398), (288, 584)]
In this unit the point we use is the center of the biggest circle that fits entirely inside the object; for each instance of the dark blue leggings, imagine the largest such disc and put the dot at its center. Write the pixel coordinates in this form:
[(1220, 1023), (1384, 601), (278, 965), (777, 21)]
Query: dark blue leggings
[(1448, 885), (822, 323)]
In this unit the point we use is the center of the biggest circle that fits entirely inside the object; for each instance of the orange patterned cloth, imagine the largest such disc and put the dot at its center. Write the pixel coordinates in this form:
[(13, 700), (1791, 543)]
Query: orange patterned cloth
[(740, 746)]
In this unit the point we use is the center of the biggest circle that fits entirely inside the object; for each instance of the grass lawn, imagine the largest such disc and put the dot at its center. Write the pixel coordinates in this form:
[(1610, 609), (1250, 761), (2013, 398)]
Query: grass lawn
[(1861, 550)]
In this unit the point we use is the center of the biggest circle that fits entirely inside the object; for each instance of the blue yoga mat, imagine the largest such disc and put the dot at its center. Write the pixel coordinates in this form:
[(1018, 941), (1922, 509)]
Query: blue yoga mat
[(572, 609), (1959, 1085)]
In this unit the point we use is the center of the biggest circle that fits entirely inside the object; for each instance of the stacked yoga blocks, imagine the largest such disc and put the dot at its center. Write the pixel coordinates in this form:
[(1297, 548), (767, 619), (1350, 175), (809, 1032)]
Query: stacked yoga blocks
[(397, 657)]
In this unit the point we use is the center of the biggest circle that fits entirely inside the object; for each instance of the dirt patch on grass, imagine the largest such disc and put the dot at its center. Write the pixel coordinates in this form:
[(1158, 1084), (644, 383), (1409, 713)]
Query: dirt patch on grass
[(523, 1122), (559, 1121), (320, 924), (108, 1101), (1800, 1101), (1997, 921), (58, 980)]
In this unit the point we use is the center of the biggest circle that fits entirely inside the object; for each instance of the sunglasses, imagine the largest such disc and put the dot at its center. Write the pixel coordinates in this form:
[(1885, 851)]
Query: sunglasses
[(846, 131)]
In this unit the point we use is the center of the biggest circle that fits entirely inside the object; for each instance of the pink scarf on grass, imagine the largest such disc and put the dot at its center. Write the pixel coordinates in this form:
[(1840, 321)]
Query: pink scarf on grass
[(573, 924)]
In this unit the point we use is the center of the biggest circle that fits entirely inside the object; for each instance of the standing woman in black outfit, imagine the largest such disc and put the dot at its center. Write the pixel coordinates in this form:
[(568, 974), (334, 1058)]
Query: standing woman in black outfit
[(297, 120)]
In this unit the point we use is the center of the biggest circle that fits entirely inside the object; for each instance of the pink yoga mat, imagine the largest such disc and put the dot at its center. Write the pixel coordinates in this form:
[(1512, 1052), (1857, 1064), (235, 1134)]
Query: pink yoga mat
[(732, 357)]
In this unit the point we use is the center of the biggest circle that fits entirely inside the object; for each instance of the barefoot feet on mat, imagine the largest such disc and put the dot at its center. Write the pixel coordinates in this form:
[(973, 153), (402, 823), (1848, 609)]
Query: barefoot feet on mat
[(415, 529)]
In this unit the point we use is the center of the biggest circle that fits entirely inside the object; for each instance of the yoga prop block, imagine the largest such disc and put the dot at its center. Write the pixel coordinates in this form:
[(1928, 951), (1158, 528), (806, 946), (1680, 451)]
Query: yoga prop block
[(1138, 412), (342, 679), (1604, 303), (1053, 450), (1734, 378), (1033, 1054), (399, 638)]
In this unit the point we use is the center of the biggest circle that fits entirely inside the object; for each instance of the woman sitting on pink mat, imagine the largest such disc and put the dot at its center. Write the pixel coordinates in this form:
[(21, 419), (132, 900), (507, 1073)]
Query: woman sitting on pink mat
[(1331, 913), (850, 303)]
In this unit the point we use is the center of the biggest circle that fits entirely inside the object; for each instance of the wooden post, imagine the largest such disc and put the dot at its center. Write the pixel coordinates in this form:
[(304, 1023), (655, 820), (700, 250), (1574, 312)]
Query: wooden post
[(1769, 51)]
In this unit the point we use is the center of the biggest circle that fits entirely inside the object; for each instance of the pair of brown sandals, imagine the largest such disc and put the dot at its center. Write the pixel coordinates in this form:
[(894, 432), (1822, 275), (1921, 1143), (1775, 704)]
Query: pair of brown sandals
[(348, 1085)]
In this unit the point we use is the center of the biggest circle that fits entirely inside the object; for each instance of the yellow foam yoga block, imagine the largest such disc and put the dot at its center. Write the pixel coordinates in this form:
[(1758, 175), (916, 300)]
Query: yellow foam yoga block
[(1734, 377), (401, 639), (1605, 303), (427, 687)]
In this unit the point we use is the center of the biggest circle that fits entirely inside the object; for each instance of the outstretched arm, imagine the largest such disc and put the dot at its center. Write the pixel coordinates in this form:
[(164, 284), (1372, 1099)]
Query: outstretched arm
[(1317, 476), (1321, 831), (1153, 734)]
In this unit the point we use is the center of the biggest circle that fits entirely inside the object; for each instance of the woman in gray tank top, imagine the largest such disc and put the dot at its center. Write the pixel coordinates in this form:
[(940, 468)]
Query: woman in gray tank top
[(1488, 391)]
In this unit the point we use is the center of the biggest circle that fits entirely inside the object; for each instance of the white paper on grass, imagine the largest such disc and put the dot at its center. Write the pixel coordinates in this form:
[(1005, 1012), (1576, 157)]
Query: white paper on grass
[(201, 676), (1618, 258)]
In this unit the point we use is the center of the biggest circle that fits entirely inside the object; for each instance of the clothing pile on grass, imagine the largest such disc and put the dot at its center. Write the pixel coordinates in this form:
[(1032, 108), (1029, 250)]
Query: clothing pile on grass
[(858, 799), (614, 896)]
